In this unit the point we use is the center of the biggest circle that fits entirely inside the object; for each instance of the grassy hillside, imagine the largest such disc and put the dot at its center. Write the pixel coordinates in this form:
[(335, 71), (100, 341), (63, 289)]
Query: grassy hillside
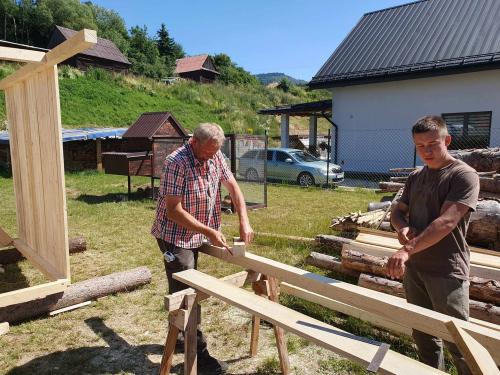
[(98, 98)]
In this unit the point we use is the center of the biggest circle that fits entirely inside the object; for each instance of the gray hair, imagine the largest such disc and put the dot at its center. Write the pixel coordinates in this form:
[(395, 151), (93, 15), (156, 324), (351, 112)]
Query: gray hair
[(207, 131)]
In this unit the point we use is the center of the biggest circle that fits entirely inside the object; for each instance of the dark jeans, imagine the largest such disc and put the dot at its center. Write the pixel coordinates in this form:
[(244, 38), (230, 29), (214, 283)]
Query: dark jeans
[(185, 259), (447, 295)]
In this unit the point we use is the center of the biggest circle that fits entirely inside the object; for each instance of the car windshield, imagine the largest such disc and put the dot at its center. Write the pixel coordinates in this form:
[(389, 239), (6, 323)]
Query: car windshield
[(304, 156)]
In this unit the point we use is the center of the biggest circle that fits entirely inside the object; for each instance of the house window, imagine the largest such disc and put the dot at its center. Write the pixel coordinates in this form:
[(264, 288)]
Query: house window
[(468, 129)]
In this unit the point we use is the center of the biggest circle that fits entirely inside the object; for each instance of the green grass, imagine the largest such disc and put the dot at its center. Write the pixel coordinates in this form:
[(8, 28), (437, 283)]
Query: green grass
[(99, 98), (124, 333)]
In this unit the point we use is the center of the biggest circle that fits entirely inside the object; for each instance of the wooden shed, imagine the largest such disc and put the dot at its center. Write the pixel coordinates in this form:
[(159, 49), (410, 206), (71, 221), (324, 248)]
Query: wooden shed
[(34, 116), (146, 144), (198, 68), (104, 54)]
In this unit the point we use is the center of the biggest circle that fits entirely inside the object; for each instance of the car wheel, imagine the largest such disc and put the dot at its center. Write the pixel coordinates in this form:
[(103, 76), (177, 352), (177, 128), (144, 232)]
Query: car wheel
[(252, 175), (305, 179)]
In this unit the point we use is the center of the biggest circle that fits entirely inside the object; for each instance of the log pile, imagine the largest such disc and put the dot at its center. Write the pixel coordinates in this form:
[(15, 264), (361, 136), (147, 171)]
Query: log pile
[(370, 269), (350, 222), (482, 160)]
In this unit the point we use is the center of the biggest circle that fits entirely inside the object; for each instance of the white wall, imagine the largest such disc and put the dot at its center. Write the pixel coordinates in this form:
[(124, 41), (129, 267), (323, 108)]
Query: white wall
[(375, 120)]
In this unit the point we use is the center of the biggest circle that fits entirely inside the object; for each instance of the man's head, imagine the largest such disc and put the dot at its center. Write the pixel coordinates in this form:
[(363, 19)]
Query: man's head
[(431, 138), (207, 139)]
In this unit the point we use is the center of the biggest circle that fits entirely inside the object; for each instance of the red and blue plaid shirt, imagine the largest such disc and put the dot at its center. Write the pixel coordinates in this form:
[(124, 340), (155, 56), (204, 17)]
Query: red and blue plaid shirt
[(199, 186)]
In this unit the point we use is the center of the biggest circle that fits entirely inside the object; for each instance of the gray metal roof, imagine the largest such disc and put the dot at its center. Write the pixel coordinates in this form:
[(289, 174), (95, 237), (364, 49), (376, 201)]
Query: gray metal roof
[(417, 39)]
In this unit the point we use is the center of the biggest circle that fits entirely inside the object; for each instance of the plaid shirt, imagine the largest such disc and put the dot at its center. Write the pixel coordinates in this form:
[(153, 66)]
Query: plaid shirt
[(199, 186)]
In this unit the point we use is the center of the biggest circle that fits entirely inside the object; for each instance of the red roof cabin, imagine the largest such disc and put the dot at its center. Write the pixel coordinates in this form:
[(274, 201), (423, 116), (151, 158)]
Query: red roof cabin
[(199, 68)]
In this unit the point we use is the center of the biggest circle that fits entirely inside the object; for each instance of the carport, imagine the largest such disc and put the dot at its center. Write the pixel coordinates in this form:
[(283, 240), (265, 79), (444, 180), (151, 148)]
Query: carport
[(313, 110)]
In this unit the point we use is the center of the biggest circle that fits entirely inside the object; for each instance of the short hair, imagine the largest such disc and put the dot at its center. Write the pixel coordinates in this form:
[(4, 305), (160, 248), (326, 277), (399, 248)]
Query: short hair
[(207, 131), (430, 123)]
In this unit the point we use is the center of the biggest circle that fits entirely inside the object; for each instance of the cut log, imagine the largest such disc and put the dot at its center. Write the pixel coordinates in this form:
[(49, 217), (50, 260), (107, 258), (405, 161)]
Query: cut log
[(372, 206), (401, 170), (328, 262), (478, 310), (484, 225), (350, 222), (381, 284), (83, 291), (482, 160), (361, 262), (485, 290), (333, 242), (12, 255), (490, 184), (390, 186), (400, 179)]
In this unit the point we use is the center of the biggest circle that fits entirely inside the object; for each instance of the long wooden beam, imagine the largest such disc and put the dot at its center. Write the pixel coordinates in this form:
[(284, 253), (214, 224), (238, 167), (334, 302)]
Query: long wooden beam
[(383, 305), (344, 308), (484, 270), (390, 239), (28, 294), (21, 55), (80, 42), (359, 349)]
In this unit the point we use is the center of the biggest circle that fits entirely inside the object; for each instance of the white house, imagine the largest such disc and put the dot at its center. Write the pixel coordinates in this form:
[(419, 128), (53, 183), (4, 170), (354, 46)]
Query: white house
[(398, 64)]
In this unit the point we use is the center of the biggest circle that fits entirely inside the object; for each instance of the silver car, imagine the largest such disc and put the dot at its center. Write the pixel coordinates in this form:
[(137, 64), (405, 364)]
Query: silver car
[(288, 164)]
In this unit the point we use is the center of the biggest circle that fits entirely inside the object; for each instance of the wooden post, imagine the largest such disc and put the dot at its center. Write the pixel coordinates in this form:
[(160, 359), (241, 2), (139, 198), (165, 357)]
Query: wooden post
[(278, 331), (260, 288), (168, 352), (98, 146), (190, 339), (285, 130)]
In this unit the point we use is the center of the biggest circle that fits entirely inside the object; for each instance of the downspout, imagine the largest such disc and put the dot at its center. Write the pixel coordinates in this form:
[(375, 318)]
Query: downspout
[(336, 141)]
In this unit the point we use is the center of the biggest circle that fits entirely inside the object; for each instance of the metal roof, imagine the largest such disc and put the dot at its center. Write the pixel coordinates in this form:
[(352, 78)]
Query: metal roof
[(81, 134), (301, 109), (421, 38), (149, 123)]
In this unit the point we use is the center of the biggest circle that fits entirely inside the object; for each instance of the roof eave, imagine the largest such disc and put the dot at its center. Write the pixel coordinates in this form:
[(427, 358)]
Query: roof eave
[(325, 83)]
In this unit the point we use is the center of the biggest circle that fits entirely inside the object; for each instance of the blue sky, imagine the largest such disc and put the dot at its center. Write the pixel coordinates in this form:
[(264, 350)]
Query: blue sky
[(291, 36)]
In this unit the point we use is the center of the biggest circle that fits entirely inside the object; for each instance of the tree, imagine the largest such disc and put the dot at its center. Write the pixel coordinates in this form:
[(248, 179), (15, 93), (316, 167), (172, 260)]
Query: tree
[(110, 25), (285, 85), (232, 73), (144, 55), (168, 48)]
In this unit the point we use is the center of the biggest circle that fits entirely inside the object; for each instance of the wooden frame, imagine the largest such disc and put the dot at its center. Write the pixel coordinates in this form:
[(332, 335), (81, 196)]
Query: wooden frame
[(388, 307), (33, 112)]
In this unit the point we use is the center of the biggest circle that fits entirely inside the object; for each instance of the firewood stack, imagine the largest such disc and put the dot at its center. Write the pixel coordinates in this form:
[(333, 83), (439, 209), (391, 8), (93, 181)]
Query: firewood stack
[(366, 259)]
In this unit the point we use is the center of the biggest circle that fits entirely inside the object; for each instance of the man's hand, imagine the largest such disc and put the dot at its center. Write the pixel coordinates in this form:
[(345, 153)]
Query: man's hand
[(216, 238), (246, 233), (406, 234), (396, 264)]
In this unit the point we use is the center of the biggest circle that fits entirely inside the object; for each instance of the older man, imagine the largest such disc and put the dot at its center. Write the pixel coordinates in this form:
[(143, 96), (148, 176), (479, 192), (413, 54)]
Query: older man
[(189, 211)]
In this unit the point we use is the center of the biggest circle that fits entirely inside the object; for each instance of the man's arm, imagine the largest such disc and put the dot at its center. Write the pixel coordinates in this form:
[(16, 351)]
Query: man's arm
[(399, 222), (180, 216), (450, 215), (246, 231)]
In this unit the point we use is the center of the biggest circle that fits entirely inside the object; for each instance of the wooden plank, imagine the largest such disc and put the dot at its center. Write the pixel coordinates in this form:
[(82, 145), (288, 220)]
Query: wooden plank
[(31, 293), (41, 264), (478, 270), (70, 308), (384, 305), (190, 337), (390, 239), (5, 239), (353, 347), (175, 300), (168, 352), (279, 333), (477, 357), (58, 195), (81, 41), (21, 55), (4, 328), (344, 308)]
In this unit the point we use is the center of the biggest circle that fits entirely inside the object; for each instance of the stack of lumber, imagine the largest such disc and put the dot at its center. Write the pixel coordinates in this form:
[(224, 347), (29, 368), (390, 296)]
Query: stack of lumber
[(366, 258)]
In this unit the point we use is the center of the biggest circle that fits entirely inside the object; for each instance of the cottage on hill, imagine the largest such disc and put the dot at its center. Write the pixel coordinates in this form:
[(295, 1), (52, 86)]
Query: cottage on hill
[(199, 68)]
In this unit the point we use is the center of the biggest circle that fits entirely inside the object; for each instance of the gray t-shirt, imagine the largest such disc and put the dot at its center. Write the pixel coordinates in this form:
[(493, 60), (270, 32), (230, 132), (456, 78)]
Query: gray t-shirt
[(425, 193)]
